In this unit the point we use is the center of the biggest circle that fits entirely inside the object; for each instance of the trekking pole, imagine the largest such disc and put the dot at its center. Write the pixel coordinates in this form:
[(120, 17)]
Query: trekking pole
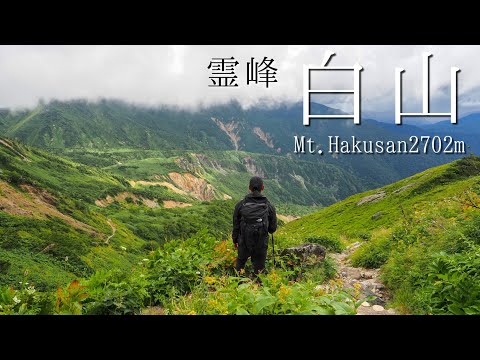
[(273, 251)]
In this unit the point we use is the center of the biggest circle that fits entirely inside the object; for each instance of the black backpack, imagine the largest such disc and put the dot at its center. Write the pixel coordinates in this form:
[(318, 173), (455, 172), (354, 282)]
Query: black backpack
[(254, 217)]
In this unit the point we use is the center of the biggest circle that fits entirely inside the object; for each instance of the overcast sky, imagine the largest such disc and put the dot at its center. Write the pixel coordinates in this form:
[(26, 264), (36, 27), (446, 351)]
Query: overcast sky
[(178, 75)]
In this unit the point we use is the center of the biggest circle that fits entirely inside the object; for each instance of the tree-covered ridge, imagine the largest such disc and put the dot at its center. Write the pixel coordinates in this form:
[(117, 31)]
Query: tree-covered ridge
[(108, 124)]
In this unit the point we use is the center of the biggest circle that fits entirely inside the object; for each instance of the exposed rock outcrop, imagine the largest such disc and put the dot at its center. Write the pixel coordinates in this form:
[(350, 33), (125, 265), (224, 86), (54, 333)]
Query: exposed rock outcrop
[(169, 204), (372, 198), (36, 203), (300, 180), (252, 167), (265, 137), (123, 196), (198, 188), (403, 188), (196, 164), (185, 184), (231, 129)]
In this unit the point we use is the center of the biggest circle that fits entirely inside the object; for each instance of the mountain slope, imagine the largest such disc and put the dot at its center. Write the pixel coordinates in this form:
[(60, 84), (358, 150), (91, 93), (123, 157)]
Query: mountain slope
[(287, 181), (409, 229), (383, 208), (109, 124), (46, 227), (54, 225)]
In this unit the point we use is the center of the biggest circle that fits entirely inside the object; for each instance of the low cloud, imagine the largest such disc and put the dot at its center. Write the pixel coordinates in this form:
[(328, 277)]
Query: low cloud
[(178, 75)]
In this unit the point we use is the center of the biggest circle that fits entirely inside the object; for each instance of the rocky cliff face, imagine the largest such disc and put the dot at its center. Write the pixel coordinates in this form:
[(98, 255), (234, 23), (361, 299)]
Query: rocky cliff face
[(265, 137), (252, 167), (231, 129), (193, 185)]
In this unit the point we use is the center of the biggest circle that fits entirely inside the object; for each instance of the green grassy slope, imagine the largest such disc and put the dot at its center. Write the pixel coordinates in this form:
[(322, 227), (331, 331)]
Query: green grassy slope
[(287, 181), (417, 193), (51, 226), (408, 228)]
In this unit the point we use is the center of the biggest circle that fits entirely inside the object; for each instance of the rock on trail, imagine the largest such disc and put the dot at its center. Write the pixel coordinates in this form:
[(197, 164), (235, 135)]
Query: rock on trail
[(369, 281)]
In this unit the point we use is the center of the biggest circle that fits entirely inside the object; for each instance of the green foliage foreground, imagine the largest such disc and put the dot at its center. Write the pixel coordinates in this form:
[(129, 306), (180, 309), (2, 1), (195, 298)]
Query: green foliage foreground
[(194, 276)]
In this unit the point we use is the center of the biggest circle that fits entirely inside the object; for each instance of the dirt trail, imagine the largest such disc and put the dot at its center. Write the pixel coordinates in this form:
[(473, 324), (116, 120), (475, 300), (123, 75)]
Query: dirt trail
[(114, 230), (369, 281)]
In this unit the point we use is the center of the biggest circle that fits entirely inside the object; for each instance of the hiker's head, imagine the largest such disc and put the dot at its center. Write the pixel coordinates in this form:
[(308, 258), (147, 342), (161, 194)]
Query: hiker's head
[(256, 184)]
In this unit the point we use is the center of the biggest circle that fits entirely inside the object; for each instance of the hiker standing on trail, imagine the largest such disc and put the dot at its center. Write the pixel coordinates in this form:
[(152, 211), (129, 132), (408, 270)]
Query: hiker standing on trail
[(253, 218)]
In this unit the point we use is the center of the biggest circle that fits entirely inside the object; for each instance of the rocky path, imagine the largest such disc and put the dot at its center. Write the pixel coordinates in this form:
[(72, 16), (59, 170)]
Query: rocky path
[(369, 281), (114, 230)]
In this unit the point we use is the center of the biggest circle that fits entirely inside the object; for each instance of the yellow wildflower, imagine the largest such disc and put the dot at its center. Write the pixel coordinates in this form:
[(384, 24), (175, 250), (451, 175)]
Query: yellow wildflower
[(357, 287), (212, 303), (283, 292), (209, 280)]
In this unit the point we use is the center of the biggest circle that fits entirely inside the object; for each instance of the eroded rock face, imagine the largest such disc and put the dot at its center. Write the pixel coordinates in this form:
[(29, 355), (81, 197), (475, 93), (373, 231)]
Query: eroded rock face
[(252, 167), (306, 250), (265, 137), (36, 203), (231, 129), (197, 187), (123, 196), (185, 184), (169, 204), (203, 161)]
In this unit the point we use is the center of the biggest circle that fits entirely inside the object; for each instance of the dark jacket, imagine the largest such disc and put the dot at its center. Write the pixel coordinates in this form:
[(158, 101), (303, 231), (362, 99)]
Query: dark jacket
[(253, 197)]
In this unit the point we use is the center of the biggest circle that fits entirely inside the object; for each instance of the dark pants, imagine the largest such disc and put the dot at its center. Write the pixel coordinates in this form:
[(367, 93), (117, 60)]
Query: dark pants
[(258, 256)]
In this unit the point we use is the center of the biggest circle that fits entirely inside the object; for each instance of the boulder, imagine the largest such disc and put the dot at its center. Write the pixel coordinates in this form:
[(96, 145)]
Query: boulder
[(372, 198), (306, 250)]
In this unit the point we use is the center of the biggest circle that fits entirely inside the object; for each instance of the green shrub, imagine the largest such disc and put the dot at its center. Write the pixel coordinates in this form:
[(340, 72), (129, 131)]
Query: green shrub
[(24, 301), (298, 269), (115, 293), (435, 274), (372, 255), (329, 242), (4, 266), (472, 229), (453, 283), (70, 299), (364, 236), (323, 271), (150, 245), (177, 266)]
